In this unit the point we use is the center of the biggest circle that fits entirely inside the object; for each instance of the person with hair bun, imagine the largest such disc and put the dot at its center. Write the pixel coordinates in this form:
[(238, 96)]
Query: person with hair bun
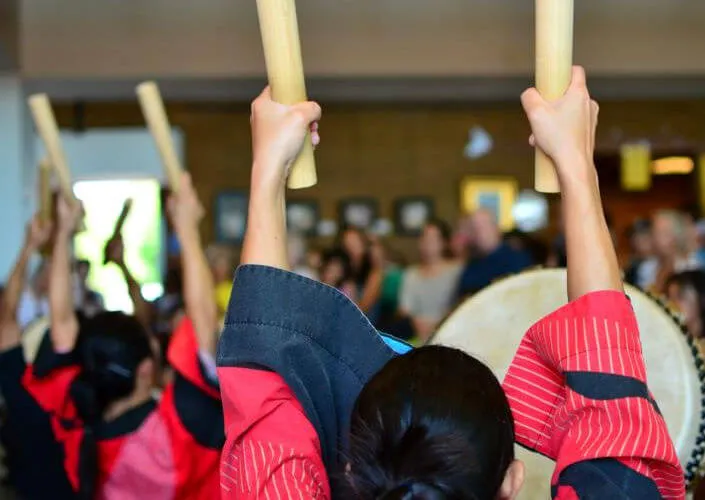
[(320, 405), (95, 378)]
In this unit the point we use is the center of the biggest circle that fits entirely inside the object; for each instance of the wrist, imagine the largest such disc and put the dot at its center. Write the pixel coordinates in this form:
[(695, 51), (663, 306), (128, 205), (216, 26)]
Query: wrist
[(268, 177), (576, 171)]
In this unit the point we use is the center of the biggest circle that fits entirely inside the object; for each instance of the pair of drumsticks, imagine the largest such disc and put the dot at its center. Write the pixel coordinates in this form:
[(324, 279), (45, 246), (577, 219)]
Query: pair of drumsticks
[(282, 51)]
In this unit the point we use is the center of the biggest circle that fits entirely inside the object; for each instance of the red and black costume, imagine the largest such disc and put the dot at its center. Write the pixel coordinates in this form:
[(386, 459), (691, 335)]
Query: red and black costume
[(163, 449), (295, 354)]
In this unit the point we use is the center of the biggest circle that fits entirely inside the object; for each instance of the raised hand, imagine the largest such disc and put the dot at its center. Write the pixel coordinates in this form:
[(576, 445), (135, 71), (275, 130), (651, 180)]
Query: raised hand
[(70, 216), (115, 250), (278, 134), (564, 128), (38, 233)]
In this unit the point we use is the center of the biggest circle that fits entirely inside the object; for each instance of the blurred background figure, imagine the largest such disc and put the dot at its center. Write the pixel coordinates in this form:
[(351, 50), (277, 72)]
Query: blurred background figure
[(672, 249), (640, 247), (461, 241), (687, 291), (222, 265), (491, 258), (34, 302), (300, 259), (429, 288), (88, 301)]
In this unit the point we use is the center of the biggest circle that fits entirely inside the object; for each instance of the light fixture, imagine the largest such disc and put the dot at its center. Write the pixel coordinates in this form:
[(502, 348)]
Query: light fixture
[(673, 165)]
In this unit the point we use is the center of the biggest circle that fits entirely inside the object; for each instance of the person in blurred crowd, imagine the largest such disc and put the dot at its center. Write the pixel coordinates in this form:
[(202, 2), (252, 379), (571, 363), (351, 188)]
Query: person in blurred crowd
[(641, 246), (491, 257), (672, 252), (115, 253), (87, 300), (461, 241), (335, 271), (299, 256), (366, 266), (220, 260), (119, 441), (35, 459), (34, 303), (687, 291), (428, 290)]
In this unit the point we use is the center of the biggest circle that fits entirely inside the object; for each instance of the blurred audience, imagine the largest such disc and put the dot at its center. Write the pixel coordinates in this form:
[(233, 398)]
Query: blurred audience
[(299, 257), (34, 302), (491, 258), (686, 290), (88, 301), (428, 289), (366, 258), (640, 247), (222, 266), (672, 248)]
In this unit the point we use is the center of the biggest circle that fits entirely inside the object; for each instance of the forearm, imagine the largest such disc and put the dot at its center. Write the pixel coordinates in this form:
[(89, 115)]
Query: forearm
[(592, 260), (199, 291), (265, 241), (141, 307), (64, 325), (9, 329)]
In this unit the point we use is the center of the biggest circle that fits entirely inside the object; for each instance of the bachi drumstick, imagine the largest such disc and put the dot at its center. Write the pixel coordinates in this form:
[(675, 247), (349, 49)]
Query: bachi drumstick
[(158, 123), (285, 71), (554, 63), (45, 122)]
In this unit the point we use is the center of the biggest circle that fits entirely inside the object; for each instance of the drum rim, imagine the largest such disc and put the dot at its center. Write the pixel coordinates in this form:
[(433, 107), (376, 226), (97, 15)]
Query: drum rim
[(697, 455)]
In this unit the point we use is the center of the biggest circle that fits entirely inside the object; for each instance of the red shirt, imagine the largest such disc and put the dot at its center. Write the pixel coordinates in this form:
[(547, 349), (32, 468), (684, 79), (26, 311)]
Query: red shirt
[(167, 449), (272, 450)]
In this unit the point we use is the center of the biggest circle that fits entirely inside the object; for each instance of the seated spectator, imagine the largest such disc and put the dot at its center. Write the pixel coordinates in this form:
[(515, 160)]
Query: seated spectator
[(491, 257), (428, 290), (367, 268), (335, 271), (672, 252), (298, 257), (220, 260), (641, 246), (687, 291)]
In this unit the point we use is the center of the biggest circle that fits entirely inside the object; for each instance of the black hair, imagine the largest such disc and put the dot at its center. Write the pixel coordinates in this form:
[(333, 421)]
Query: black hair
[(432, 424), (443, 228), (111, 347), (337, 254), (362, 272)]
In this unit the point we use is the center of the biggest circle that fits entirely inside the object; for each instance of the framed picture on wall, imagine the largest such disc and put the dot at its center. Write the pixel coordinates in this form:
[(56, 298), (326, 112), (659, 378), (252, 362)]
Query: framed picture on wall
[(231, 216), (302, 217), (496, 194), (411, 214), (358, 212)]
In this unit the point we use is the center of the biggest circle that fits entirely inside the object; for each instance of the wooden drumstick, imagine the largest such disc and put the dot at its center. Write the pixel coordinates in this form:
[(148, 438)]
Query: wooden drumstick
[(158, 123), (554, 64), (282, 53), (45, 194), (45, 122)]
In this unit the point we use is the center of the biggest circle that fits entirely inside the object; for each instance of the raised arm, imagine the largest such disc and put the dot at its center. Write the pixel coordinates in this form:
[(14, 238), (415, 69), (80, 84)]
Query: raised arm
[(565, 130), (115, 253), (278, 133), (64, 324), (199, 292), (38, 234)]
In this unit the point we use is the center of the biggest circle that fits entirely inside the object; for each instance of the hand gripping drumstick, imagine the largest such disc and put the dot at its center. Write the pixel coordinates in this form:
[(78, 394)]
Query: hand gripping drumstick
[(45, 194), (155, 115), (282, 54), (45, 122), (126, 207), (554, 63)]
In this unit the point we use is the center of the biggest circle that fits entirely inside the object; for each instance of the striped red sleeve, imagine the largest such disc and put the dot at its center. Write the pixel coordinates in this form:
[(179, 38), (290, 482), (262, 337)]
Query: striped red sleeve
[(577, 388), (272, 450)]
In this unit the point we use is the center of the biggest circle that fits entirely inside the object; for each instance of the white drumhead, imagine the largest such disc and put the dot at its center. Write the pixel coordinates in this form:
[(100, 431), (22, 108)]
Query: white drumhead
[(491, 324), (32, 337)]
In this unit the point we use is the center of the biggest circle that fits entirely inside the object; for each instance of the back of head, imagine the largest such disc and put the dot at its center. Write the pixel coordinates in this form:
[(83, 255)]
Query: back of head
[(432, 424), (111, 348)]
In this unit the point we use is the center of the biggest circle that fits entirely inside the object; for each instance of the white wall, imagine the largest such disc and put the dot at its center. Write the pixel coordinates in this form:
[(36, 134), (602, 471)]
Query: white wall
[(14, 151), (125, 153)]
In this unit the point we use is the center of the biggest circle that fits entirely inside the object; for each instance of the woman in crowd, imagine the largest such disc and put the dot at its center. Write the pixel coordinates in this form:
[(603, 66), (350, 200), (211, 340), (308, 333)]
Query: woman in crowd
[(367, 267), (120, 442), (319, 405), (428, 290)]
